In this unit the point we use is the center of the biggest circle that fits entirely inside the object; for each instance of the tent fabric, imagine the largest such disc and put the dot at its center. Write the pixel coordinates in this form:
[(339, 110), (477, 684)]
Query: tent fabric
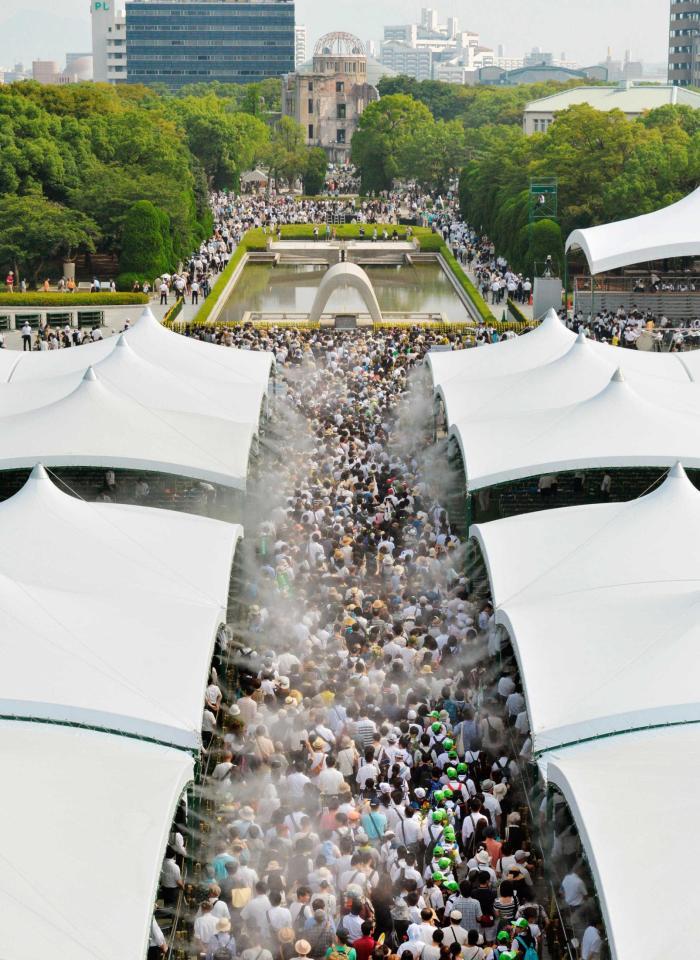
[(84, 822), (601, 603), (652, 775), (147, 383), (616, 427), (669, 232), (97, 425), (73, 649), (549, 340), (570, 369), (215, 371)]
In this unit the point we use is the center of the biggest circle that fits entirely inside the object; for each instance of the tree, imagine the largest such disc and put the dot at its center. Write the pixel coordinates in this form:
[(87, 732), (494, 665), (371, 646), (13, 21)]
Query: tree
[(286, 154), (434, 155), (34, 231), (226, 143), (315, 172), (543, 240), (145, 243), (384, 129)]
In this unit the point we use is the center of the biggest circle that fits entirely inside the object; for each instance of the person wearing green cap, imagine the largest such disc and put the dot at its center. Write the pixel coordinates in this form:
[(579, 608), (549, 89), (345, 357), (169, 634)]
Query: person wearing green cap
[(501, 950)]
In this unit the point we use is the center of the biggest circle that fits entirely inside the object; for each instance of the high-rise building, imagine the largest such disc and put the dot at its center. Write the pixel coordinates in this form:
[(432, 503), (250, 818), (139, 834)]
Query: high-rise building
[(429, 18), (684, 43), (108, 41), (300, 38), (178, 42)]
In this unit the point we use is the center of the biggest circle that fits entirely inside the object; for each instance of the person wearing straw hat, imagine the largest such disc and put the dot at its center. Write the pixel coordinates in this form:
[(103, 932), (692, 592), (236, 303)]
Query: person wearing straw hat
[(221, 941), (303, 949)]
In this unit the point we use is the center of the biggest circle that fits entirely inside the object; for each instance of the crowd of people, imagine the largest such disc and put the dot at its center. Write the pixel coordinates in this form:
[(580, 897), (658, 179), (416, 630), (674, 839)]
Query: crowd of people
[(367, 743)]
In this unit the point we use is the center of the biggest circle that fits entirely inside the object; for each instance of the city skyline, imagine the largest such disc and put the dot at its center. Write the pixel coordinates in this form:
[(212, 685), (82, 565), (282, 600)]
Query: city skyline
[(38, 32)]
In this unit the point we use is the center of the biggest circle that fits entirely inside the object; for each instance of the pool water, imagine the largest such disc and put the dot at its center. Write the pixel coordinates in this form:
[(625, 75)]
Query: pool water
[(290, 288)]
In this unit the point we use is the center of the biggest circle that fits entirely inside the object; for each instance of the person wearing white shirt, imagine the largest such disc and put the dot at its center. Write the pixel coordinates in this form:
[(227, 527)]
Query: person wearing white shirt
[(330, 780), (278, 916), (205, 926), (591, 943), (573, 889), (256, 910)]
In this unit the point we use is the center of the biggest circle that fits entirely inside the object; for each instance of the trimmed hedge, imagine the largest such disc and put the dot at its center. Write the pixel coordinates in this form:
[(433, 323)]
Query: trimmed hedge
[(344, 231), (71, 299), (431, 243), (517, 313), (466, 284)]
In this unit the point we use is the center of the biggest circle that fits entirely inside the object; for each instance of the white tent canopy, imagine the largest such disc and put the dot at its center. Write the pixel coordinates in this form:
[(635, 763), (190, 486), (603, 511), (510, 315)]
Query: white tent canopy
[(601, 602), (225, 375), (109, 612), (669, 232), (549, 367), (549, 340), (97, 425), (147, 383), (616, 427), (652, 777), (579, 373), (84, 821)]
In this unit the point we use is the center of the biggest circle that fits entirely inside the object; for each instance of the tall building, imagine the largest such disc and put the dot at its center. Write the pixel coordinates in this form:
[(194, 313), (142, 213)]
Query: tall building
[(328, 97), (108, 41), (404, 58), (300, 38), (684, 43), (178, 42)]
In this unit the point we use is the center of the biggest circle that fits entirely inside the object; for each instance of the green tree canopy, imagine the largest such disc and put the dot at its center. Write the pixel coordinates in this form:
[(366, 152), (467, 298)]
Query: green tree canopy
[(146, 246), (286, 154), (315, 171), (34, 231), (383, 136)]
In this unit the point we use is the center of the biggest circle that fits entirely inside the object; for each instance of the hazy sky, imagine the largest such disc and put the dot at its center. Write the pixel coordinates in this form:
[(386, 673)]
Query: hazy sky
[(583, 29)]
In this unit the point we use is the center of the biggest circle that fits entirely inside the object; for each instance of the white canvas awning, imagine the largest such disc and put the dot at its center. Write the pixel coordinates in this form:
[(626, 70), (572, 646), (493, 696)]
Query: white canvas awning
[(550, 367), (549, 340), (109, 613), (84, 822), (149, 384), (616, 427), (601, 602), (228, 377), (623, 792), (669, 232), (97, 425)]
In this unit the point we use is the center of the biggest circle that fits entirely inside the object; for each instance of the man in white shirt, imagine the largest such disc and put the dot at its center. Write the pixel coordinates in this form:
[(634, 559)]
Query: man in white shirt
[(330, 780), (205, 926), (455, 933), (573, 889), (256, 910), (592, 943)]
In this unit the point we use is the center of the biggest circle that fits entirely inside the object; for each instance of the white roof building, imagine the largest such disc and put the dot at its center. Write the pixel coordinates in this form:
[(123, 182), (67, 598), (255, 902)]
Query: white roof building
[(631, 98), (72, 650), (616, 427)]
